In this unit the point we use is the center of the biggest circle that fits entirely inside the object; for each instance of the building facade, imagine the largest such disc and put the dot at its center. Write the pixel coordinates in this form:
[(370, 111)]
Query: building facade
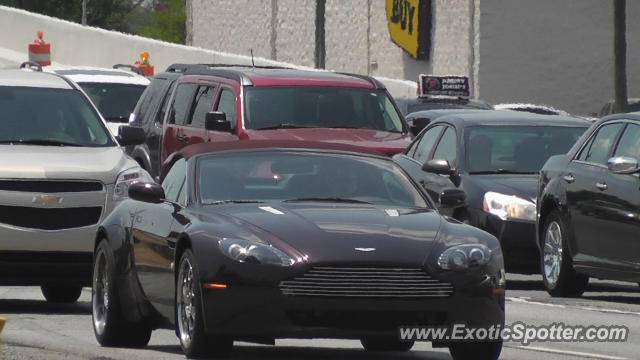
[(558, 53)]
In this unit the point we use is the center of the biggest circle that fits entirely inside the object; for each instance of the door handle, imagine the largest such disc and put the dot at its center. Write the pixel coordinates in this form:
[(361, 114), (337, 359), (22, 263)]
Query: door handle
[(182, 138), (601, 186), (569, 178)]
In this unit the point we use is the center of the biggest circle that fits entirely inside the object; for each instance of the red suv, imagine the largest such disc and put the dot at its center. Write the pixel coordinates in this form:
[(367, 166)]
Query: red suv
[(230, 102)]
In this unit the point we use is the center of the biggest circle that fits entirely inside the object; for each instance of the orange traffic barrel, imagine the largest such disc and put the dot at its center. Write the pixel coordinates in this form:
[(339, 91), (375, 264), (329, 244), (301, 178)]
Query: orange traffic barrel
[(144, 65), (40, 50)]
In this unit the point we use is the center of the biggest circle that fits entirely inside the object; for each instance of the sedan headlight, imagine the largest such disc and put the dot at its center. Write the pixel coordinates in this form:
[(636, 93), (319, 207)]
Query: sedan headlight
[(508, 207), (464, 257), (254, 252), (128, 177)]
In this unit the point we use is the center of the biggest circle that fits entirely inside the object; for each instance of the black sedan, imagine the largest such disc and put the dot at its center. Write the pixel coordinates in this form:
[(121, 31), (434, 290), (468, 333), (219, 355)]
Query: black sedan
[(588, 208), (495, 157), (260, 240)]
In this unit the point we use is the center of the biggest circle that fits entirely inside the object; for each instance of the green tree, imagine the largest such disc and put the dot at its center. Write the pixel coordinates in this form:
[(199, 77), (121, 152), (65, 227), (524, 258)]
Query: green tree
[(107, 14), (169, 22)]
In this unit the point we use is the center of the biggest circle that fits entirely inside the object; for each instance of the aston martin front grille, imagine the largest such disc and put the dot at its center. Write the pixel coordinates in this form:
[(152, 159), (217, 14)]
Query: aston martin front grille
[(360, 282)]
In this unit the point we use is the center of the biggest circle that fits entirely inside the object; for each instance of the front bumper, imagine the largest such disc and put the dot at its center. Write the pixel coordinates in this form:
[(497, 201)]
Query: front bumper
[(250, 310), (518, 241)]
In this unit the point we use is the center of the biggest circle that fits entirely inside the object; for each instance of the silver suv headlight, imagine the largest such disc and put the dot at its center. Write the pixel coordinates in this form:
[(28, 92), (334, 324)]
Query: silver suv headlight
[(128, 177), (252, 252)]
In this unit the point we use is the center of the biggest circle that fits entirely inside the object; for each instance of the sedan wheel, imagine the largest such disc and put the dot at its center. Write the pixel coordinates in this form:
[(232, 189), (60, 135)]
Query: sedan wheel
[(558, 273), (61, 294), (109, 324), (193, 339)]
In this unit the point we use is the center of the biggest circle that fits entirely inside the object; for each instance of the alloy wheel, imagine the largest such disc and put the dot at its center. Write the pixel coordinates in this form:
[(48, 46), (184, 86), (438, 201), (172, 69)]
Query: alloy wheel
[(552, 253), (186, 303), (100, 296)]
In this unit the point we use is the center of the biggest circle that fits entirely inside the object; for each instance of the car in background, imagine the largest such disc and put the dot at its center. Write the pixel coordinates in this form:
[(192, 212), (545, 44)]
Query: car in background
[(412, 105), (115, 92), (588, 208), (259, 240), (609, 109), (532, 108), (420, 119), (213, 103), (61, 173), (494, 157)]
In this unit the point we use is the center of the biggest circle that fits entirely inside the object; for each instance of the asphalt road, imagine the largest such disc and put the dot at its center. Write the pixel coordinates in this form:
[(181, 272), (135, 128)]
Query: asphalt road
[(38, 330)]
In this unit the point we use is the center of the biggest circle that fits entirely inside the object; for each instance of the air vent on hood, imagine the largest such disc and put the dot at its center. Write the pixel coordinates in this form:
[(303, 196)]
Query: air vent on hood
[(357, 282)]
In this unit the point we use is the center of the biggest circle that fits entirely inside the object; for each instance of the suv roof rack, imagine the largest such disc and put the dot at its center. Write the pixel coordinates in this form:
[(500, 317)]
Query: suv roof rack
[(129, 67), (181, 67), (31, 65)]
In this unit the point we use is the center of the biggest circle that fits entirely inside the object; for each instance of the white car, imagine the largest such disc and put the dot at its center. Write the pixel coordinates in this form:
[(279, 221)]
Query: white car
[(114, 92), (532, 108)]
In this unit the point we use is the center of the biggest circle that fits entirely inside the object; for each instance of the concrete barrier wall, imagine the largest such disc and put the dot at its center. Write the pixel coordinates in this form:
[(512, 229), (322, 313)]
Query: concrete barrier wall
[(74, 44)]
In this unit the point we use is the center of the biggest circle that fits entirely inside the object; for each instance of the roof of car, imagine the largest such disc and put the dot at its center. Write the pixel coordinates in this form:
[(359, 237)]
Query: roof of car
[(273, 76), (31, 78), (90, 74), (501, 117), (442, 112), (211, 147)]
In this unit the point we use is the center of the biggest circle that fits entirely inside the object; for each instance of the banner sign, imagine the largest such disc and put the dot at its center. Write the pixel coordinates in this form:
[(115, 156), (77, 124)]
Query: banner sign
[(409, 23), (429, 85)]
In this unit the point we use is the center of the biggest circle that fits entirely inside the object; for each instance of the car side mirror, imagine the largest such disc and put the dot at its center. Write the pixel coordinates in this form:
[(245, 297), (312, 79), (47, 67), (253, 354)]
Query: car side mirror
[(417, 124), (451, 198), (147, 192), (217, 121), (623, 165), (130, 135), (438, 166)]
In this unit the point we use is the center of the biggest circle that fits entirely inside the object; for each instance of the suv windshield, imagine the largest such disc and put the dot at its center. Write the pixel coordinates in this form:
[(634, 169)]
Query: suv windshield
[(47, 116), (303, 177), (516, 149), (115, 101), (315, 106)]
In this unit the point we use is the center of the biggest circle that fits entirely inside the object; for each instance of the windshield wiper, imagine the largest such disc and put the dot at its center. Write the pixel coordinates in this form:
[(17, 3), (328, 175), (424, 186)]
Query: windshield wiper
[(285, 126), (219, 202), (328, 199), (46, 142), (502, 171)]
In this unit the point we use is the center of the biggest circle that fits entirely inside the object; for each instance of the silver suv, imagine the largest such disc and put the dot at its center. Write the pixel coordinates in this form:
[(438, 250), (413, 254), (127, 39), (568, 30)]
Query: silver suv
[(61, 173)]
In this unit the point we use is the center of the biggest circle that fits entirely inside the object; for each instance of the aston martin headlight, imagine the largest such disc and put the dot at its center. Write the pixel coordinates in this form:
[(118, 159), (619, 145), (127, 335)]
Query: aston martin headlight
[(252, 252), (509, 207), (128, 177), (464, 257)]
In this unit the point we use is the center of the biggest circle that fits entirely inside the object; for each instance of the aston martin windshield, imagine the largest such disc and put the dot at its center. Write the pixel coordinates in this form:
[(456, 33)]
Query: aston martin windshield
[(516, 149), (269, 107), (50, 117), (304, 177)]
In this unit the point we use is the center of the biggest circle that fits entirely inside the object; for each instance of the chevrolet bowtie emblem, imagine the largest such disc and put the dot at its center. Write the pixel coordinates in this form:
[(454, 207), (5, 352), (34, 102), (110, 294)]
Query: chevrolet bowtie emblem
[(46, 199), (366, 249)]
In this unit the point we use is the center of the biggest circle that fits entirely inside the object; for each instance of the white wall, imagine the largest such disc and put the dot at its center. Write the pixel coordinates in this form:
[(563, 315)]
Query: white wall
[(553, 52), (74, 44)]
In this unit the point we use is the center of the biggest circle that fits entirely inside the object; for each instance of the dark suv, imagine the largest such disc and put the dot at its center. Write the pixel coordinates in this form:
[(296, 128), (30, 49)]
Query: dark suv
[(201, 103), (588, 208)]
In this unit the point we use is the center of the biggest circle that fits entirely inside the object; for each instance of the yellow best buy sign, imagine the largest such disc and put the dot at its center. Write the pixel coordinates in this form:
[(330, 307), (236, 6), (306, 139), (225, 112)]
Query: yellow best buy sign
[(410, 25)]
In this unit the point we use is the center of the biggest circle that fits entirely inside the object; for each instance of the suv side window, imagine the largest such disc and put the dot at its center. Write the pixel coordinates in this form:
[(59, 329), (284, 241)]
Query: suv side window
[(204, 103), (629, 144), (428, 140), (149, 96), (174, 180), (447, 147), (182, 103), (227, 104), (598, 149)]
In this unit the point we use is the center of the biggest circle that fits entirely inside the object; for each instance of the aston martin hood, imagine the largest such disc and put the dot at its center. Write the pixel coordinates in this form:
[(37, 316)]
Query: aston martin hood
[(334, 233)]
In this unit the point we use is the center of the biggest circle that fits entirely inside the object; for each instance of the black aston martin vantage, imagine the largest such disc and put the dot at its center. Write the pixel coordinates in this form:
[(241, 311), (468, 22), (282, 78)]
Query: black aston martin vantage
[(259, 240)]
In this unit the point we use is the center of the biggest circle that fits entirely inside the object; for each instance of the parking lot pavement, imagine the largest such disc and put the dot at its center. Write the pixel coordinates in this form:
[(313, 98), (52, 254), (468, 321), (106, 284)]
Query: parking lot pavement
[(38, 330)]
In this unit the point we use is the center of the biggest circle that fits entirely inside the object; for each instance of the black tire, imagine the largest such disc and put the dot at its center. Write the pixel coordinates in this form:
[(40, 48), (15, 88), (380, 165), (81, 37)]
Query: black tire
[(110, 326), (568, 282), (476, 350), (61, 294), (379, 344), (196, 343)]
